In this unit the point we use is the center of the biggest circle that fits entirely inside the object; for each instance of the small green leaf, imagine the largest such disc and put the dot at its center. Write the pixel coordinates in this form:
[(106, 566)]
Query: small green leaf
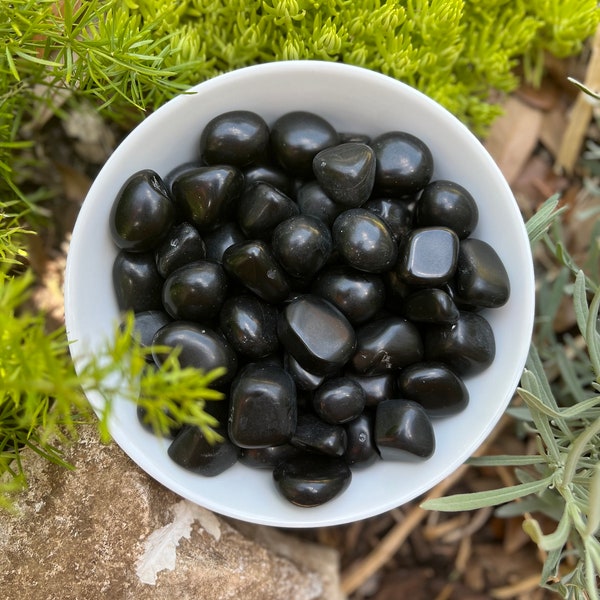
[(552, 541), (593, 511), (475, 500), (538, 224)]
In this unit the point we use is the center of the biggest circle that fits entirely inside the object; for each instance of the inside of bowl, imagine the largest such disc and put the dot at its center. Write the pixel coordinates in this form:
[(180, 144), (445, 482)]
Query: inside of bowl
[(353, 100)]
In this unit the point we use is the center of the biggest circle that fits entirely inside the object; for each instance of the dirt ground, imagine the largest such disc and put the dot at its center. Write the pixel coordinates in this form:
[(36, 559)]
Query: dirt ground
[(407, 552)]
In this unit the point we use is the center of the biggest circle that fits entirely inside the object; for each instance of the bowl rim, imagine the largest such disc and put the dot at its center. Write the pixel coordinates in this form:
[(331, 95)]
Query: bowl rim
[(305, 70)]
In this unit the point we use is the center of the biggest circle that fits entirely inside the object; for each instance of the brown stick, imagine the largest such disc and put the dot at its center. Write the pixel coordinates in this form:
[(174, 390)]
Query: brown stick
[(358, 573), (581, 115)]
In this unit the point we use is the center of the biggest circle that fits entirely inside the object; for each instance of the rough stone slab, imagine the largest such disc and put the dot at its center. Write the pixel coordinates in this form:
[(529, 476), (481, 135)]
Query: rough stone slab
[(107, 530)]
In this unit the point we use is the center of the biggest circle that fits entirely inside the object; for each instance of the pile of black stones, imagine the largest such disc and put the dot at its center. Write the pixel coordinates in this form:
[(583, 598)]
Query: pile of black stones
[(332, 277)]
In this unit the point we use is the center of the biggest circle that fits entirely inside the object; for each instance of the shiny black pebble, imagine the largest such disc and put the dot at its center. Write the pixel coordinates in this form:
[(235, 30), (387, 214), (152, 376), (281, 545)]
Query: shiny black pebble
[(346, 172), (339, 400), (297, 137), (310, 480), (238, 138), (196, 291), (316, 334), (200, 347), (252, 263), (360, 448), (376, 387), (313, 201), (395, 213), (137, 282), (445, 203), (142, 213), (269, 174), (267, 458), (250, 325), (430, 305), (467, 346), (428, 256), (404, 163), (207, 195), (302, 245), (192, 451), (386, 344), (181, 246), (261, 208), (218, 240), (147, 323), (314, 435), (359, 295), (262, 407), (435, 387), (303, 379), (481, 279), (403, 431), (364, 241)]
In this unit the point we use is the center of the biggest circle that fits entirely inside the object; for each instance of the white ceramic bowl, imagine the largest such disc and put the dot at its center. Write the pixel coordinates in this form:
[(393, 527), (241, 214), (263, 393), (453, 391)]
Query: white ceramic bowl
[(352, 99)]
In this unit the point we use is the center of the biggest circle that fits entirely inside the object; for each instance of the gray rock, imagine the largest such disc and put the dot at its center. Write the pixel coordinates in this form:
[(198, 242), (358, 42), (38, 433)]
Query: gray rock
[(107, 530)]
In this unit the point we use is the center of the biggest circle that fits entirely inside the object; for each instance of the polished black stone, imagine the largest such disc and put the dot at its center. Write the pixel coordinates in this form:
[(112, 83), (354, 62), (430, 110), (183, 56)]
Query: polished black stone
[(316, 334), (403, 431), (297, 137), (147, 323), (199, 347), (445, 203), (218, 240), (142, 213), (137, 282), (196, 291), (313, 201), (376, 387), (481, 278), (360, 448), (435, 387), (191, 450), (386, 344), (364, 241), (346, 172), (269, 457), (430, 305), (181, 246), (428, 256), (404, 163), (269, 174), (262, 407), (339, 400), (261, 208), (250, 325), (467, 346), (395, 213), (303, 379), (179, 171), (252, 263), (238, 138), (207, 195), (312, 480), (358, 294), (302, 244), (315, 435)]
